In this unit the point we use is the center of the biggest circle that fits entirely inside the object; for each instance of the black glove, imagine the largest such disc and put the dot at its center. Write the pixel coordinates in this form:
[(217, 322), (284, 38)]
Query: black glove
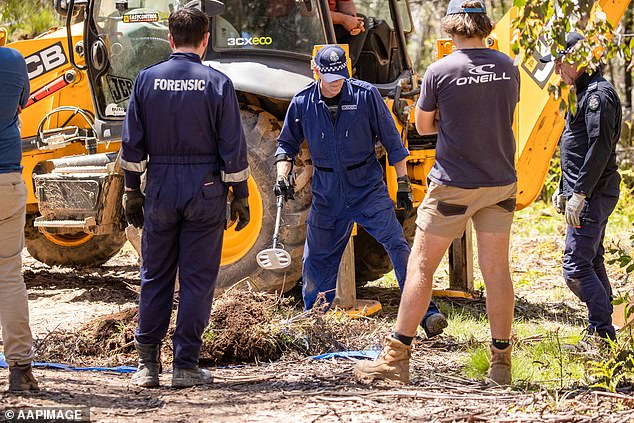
[(240, 210), (404, 199), (133, 206), (284, 187)]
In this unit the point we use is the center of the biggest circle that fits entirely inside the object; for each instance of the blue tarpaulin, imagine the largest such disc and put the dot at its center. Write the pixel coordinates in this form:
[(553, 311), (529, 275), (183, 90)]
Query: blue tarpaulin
[(118, 369)]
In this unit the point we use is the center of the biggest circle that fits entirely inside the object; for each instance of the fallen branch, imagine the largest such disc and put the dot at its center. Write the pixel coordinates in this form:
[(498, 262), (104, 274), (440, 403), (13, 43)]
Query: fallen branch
[(243, 379), (614, 395)]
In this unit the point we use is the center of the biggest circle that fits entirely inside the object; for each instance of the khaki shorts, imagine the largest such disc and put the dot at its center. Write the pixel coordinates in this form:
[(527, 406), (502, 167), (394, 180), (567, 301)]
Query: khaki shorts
[(446, 210)]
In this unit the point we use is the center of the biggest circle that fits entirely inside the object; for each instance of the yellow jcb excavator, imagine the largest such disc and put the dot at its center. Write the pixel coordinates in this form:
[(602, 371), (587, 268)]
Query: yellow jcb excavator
[(81, 76)]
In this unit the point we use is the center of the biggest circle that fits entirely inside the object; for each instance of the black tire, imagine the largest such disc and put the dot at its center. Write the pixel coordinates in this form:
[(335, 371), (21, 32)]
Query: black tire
[(370, 258), (94, 252), (261, 130)]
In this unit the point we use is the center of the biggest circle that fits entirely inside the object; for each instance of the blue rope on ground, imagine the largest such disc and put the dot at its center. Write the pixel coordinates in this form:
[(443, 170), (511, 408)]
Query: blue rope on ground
[(59, 366), (364, 354)]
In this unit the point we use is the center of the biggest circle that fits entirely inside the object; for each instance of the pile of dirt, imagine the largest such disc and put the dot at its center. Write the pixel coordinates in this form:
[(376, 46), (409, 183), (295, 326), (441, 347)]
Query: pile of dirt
[(249, 326), (107, 340), (240, 329), (244, 327)]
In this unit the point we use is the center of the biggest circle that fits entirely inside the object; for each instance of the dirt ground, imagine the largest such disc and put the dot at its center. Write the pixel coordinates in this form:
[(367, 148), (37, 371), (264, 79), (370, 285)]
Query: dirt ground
[(292, 389)]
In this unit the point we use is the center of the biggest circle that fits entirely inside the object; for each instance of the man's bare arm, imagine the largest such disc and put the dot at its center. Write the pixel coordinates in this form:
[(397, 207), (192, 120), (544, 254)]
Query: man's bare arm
[(347, 7), (349, 22), (426, 122), (401, 168)]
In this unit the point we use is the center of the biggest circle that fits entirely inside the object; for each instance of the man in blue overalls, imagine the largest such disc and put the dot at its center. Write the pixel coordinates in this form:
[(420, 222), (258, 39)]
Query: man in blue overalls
[(185, 117), (341, 118), (589, 188)]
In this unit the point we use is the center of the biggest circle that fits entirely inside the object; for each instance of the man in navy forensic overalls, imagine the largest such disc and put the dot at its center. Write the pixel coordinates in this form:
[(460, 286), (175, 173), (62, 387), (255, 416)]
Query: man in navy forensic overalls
[(341, 118), (589, 187), (183, 120)]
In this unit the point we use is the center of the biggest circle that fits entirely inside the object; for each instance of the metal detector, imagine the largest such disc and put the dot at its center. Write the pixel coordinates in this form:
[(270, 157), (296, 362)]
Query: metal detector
[(275, 257)]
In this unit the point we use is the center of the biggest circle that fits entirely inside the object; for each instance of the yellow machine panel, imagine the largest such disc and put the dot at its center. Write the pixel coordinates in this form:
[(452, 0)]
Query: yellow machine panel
[(47, 59)]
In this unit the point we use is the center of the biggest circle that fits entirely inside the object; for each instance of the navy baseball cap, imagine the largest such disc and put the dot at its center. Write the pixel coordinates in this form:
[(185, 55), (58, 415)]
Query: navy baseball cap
[(572, 38), (457, 6), (332, 63)]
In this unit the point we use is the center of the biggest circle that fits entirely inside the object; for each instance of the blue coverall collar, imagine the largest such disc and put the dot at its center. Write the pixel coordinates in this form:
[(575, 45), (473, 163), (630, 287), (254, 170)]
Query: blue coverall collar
[(585, 79), (190, 56), (346, 92)]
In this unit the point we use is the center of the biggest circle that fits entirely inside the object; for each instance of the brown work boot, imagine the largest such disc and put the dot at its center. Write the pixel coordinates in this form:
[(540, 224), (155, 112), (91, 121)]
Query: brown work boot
[(500, 366), (21, 379), (393, 363)]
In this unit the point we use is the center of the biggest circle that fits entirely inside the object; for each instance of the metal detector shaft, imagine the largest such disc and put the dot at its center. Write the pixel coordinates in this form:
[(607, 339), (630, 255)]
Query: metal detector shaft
[(278, 220), (275, 257)]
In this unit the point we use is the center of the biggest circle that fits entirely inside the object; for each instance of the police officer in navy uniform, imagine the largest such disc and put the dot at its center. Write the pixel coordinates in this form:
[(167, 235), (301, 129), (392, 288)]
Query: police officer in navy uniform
[(183, 121), (341, 118), (589, 187)]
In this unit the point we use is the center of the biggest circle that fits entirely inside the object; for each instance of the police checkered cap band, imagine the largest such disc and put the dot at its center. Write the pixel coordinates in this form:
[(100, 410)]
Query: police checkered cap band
[(333, 69), (457, 6), (572, 38)]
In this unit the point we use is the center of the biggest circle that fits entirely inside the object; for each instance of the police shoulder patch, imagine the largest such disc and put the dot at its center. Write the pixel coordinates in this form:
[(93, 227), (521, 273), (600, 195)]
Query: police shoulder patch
[(594, 102)]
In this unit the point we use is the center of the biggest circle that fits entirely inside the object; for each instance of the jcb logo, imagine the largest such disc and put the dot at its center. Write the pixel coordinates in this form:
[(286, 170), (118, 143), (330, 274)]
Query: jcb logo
[(538, 71), (120, 88), (46, 60), (256, 41)]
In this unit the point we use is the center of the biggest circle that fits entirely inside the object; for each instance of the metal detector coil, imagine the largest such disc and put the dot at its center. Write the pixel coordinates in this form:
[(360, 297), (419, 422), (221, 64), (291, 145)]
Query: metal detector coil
[(275, 257)]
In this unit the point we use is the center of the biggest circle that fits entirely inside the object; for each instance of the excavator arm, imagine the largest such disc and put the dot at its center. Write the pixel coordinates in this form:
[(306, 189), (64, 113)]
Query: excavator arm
[(539, 123)]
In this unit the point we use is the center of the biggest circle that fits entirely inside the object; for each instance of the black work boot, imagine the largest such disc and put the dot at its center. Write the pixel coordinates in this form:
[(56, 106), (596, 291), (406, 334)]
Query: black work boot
[(147, 375), (184, 378), (21, 379), (434, 325), (592, 343)]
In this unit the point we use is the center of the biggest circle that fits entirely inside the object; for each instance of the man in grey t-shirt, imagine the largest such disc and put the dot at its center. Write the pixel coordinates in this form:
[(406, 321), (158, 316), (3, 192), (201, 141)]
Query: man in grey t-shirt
[(469, 99), (475, 91)]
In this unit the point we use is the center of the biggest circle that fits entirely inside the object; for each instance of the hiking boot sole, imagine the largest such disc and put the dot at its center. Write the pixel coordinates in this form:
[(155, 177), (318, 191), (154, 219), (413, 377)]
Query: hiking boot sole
[(493, 384), (29, 388), (372, 376), (187, 380), (146, 382)]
